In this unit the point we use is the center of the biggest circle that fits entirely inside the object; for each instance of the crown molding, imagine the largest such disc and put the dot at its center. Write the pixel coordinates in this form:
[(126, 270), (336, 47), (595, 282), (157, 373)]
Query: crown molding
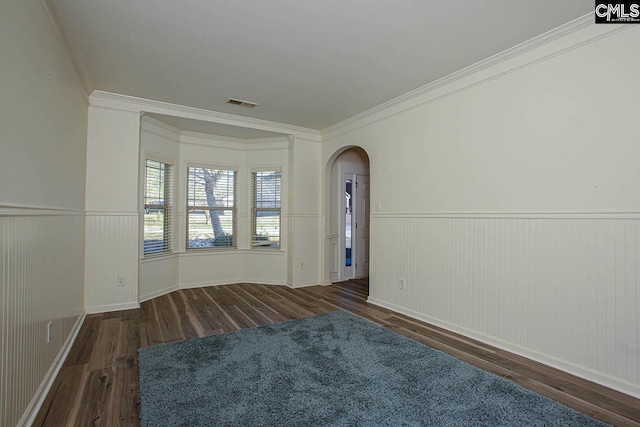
[(237, 144), (294, 138), (159, 128), (570, 36), (130, 103)]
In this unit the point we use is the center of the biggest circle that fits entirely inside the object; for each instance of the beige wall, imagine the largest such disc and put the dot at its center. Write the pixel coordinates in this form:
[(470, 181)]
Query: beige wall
[(497, 198), (299, 160), (506, 198), (43, 122), (242, 264), (43, 113), (111, 248), (114, 206), (158, 276)]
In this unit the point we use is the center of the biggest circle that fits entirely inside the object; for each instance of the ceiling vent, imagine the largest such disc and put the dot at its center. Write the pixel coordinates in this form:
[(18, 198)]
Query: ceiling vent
[(241, 103)]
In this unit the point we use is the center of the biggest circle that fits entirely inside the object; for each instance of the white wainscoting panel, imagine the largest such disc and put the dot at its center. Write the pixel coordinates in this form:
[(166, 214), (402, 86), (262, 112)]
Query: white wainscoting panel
[(41, 263), (561, 290), (111, 252), (158, 276), (228, 266), (264, 266), (304, 252), (208, 268), (331, 257)]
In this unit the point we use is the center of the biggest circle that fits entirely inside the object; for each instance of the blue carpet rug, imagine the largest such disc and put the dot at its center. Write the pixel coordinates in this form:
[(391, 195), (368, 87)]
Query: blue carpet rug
[(334, 369)]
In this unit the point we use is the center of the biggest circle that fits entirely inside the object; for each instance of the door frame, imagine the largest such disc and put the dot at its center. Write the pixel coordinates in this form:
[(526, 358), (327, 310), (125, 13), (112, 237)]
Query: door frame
[(359, 205), (333, 251), (346, 273)]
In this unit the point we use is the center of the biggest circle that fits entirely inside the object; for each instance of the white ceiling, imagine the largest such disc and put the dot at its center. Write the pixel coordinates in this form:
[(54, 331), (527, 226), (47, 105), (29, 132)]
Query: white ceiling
[(310, 63)]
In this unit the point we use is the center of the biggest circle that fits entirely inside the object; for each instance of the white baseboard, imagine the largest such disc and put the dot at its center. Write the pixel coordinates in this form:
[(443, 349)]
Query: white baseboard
[(193, 285), (303, 285), (235, 282), (263, 282), (578, 371), (111, 307), (159, 293), (32, 410)]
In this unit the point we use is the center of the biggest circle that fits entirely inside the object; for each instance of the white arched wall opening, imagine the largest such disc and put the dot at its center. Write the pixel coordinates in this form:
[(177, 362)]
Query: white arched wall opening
[(348, 161)]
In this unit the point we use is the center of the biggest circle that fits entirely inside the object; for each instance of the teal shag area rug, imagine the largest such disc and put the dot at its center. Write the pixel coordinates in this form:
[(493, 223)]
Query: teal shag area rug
[(334, 369)]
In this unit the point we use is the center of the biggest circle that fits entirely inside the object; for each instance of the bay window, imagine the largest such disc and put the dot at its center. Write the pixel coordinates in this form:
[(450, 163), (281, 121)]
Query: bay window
[(211, 207), (266, 193)]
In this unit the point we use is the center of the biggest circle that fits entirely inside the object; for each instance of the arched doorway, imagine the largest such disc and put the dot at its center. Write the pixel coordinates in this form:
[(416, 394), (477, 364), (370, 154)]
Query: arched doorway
[(347, 215)]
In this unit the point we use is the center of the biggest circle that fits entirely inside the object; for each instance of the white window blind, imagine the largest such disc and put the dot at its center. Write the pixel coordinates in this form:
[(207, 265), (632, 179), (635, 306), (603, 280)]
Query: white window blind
[(211, 207), (266, 191), (158, 207)]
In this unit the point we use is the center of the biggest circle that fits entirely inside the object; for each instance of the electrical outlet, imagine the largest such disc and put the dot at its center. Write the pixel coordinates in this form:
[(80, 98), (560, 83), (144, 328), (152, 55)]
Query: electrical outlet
[(402, 284), (49, 327), (121, 281)]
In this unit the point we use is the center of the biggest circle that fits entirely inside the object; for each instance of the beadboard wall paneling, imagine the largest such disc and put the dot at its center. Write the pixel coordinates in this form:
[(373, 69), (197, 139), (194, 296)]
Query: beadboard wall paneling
[(41, 259), (209, 268), (158, 276), (304, 256), (332, 257), (561, 290), (111, 252), (264, 266)]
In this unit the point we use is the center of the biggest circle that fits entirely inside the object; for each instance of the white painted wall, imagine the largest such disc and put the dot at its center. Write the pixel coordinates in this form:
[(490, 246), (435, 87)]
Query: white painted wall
[(224, 266), (297, 157), (43, 113), (113, 138), (111, 247), (305, 219), (499, 195), (43, 117), (158, 275)]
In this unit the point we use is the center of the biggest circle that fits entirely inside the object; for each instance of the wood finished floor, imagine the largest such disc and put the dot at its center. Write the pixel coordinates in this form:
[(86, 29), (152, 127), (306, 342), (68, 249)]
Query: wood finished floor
[(98, 384)]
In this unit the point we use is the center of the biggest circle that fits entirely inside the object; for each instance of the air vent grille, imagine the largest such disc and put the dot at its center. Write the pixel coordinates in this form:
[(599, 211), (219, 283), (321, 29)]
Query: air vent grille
[(242, 103)]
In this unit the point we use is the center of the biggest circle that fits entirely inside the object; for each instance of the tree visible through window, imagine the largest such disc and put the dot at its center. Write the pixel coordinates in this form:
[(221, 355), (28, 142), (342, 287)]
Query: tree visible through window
[(265, 207), (158, 194), (211, 208)]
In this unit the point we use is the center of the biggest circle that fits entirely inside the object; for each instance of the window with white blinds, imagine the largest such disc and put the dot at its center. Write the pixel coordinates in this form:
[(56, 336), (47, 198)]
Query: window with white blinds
[(266, 194), (211, 207), (158, 205)]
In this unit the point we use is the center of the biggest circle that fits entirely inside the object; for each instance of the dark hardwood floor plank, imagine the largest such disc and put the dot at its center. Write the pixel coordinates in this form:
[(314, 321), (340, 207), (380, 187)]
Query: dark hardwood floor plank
[(243, 313), (201, 309), (96, 408), (127, 352), (260, 306), (171, 324), (225, 322), (189, 324), (87, 335), (126, 402), (99, 383), (289, 309), (58, 406), (104, 351)]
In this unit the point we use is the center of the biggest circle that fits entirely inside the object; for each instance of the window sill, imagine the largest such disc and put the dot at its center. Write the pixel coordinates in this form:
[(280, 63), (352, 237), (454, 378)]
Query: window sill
[(264, 251), (205, 252), (158, 257)]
